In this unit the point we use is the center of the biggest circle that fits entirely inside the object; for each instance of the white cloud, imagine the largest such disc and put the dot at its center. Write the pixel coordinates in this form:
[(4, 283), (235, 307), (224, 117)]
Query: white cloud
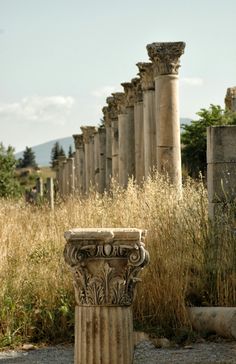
[(192, 81), (104, 91), (52, 109)]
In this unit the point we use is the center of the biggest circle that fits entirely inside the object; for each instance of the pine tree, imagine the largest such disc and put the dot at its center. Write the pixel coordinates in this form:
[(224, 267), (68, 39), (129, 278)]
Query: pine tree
[(56, 152), (28, 159)]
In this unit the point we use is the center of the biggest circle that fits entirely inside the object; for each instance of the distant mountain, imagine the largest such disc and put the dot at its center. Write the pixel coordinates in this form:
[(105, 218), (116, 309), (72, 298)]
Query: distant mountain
[(43, 151)]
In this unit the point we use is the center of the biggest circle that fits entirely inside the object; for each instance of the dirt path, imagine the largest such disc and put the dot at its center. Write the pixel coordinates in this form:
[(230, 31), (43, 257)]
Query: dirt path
[(145, 353)]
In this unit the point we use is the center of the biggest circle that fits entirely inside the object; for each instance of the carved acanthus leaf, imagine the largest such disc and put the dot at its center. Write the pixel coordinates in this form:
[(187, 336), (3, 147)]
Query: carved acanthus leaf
[(78, 140), (105, 273), (129, 93), (138, 92), (146, 75), (166, 56), (88, 132)]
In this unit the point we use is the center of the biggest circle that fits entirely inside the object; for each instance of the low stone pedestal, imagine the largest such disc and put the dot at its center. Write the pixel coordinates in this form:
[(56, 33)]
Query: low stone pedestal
[(218, 320), (105, 264)]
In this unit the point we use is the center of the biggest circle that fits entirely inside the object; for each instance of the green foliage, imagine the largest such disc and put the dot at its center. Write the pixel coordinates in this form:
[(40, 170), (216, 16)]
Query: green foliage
[(28, 159), (9, 186), (194, 137), (56, 152)]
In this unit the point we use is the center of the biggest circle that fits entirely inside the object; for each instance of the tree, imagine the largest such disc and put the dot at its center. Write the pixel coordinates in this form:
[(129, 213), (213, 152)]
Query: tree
[(56, 152), (194, 137), (9, 187), (28, 159)]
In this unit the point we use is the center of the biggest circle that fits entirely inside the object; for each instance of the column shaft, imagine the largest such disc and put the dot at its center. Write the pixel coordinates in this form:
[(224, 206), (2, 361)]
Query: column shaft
[(149, 131), (102, 159), (139, 142), (115, 149), (166, 61), (103, 335), (96, 161), (168, 127)]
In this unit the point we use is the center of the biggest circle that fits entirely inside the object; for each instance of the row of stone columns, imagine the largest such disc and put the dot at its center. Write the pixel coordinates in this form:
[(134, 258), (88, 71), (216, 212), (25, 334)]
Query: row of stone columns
[(140, 133)]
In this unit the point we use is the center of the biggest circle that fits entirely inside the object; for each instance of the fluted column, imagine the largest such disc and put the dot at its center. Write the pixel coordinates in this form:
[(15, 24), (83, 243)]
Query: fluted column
[(79, 164), (230, 99), (61, 160), (107, 123), (105, 264), (166, 60), (138, 130), (88, 132), (112, 111), (71, 176), (149, 120), (96, 160), (126, 135), (102, 159)]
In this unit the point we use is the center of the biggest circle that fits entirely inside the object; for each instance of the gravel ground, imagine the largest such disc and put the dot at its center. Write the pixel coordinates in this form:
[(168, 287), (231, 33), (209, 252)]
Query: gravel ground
[(145, 353)]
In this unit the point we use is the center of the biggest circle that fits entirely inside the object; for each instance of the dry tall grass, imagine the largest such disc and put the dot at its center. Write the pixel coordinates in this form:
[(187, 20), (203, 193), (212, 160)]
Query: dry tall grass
[(36, 296)]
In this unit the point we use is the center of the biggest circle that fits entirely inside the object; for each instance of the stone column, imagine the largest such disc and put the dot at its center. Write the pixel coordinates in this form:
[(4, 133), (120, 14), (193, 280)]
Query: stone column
[(71, 176), (79, 163), (138, 131), (107, 123), (96, 161), (113, 116), (50, 192), (230, 99), (105, 264), (102, 159), (88, 132), (221, 168), (166, 60), (64, 177), (39, 186), (149, 120), (61, 160), (126, 140), (122, 125)]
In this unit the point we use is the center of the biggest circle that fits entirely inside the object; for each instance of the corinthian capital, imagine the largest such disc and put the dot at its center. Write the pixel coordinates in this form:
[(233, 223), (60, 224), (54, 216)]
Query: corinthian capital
[(112, 107), (106, 117), (146, 75), (138, 92), (166, 56), (119, 98), (129, 93), (105, 264), (78, 141), (230, 98), (88, 132)]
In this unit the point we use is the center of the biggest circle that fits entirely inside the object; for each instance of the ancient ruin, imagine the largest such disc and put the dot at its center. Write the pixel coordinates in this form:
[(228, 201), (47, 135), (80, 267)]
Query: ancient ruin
[(105, 264), (140, 131)]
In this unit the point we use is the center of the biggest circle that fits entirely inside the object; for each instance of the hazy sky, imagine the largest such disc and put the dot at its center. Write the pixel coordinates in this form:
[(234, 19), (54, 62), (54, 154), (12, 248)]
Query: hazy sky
[(60, 59)]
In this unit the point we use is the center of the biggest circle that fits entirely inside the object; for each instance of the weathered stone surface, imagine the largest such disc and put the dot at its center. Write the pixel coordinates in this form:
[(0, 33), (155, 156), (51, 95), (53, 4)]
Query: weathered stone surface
[(219, 320), (230, 99), (105, 264), (129, 93), (165, 56), (137, 87), (221, 163), (146, 75)]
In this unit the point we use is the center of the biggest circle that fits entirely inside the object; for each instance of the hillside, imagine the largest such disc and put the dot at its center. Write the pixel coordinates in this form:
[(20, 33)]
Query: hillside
[(43, 151)]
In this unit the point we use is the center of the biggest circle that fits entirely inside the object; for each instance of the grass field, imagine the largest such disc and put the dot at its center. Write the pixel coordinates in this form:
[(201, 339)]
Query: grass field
[(191, 264)]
